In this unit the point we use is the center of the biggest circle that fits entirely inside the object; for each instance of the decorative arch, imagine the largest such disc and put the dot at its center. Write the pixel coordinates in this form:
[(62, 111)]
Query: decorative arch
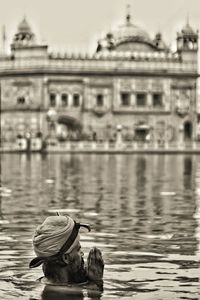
[(64, 98), (21, 100), (71, 122), (52, 98), (188, 130)]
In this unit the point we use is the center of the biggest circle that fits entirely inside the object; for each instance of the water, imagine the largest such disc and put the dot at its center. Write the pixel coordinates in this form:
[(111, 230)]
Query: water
[(144, 210)]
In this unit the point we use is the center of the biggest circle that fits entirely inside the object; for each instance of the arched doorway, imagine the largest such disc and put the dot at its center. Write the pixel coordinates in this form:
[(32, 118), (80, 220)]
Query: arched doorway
[(70, 128), (141, 131), (187, 131)]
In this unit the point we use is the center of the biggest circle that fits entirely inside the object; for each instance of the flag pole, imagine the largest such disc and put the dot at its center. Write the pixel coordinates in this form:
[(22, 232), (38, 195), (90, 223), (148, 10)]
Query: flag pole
[(4, 38)]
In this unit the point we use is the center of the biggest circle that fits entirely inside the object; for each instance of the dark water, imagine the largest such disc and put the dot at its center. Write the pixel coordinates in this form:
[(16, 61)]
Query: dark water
[(145, 213)]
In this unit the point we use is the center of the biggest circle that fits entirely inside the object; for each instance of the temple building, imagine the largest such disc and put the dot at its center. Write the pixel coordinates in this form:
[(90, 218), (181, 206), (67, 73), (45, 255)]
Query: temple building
[(132, 83)]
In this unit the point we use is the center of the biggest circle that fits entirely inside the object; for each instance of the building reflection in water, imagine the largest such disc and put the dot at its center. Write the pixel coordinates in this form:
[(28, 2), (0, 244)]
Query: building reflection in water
[(144, 211), (150, 196), (144, 198), (197, 212)]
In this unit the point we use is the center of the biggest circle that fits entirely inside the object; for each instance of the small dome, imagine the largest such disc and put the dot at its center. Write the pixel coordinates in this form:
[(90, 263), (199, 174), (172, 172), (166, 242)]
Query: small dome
[(159, 43), (24, 35), (24, 27), (188, 29)]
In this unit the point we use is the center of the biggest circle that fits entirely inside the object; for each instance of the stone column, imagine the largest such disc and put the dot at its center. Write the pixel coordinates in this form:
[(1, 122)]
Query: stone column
[(70, 99), (133, 99), (86, 94), (80, 99), (149, 99), (116, 94), (119, 135), (45, 94), (58, 100), (44, 107), (180, 135)]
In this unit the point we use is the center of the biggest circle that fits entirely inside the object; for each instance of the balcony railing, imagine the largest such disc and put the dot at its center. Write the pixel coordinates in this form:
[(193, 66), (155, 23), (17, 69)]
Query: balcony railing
[(101, 147), (97, 65), (142, 109), (21, 107), (84, 146)]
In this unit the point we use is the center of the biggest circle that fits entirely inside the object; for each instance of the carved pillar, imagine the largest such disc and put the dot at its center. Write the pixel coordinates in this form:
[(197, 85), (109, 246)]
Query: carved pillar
[(58, 100), (149, 99), (133, 99), (45, 94), (116, 94), (44, 107), (70, 99)]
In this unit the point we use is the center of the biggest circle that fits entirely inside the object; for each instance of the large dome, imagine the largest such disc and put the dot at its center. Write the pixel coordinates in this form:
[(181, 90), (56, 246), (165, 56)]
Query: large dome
[(129, 32), (127, 37)]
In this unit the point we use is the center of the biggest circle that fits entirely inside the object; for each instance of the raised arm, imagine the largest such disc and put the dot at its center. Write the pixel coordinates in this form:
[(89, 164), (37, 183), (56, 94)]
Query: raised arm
[(95, 265)]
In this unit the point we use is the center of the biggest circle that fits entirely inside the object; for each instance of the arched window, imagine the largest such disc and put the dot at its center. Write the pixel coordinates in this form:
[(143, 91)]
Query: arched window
[(141, 99), (64, 100), (157, 100), (187, 130), (99, 100), (125, 99), (21, 100), (76, 99), (52, 99)]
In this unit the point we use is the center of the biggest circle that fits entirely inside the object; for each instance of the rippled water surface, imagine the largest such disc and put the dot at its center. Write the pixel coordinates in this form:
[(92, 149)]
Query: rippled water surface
[(144, 210)]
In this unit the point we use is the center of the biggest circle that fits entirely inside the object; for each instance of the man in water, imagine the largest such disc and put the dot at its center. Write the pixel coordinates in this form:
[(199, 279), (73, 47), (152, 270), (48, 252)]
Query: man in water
[(57, 245)]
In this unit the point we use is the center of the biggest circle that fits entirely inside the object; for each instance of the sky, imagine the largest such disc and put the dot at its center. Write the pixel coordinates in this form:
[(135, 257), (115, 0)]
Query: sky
[(76, 25)]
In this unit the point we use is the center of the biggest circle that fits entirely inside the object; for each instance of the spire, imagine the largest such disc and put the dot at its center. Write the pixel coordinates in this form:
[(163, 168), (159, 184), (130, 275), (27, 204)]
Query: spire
[(4, 38), (187, 39), (128, 14), (187, 19)]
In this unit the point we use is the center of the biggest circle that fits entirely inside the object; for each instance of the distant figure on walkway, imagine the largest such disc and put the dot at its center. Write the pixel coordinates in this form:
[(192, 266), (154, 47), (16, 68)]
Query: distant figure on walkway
[(57, 245)]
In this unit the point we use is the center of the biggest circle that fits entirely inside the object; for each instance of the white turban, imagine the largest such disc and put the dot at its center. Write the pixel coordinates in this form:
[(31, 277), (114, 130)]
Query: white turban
[(52, 235)]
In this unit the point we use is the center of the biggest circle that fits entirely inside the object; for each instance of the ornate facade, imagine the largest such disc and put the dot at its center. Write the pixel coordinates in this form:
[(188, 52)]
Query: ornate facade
[(132, 82)]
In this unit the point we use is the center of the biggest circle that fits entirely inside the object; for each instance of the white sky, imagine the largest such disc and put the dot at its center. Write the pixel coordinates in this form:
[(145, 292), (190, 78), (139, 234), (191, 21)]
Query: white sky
[(76, 25)]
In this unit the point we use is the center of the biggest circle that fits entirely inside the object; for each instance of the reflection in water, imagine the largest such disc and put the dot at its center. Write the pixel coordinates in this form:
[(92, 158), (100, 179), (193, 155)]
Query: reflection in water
[(52, 295), (144, 210), (51, 292), (197, 214)]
